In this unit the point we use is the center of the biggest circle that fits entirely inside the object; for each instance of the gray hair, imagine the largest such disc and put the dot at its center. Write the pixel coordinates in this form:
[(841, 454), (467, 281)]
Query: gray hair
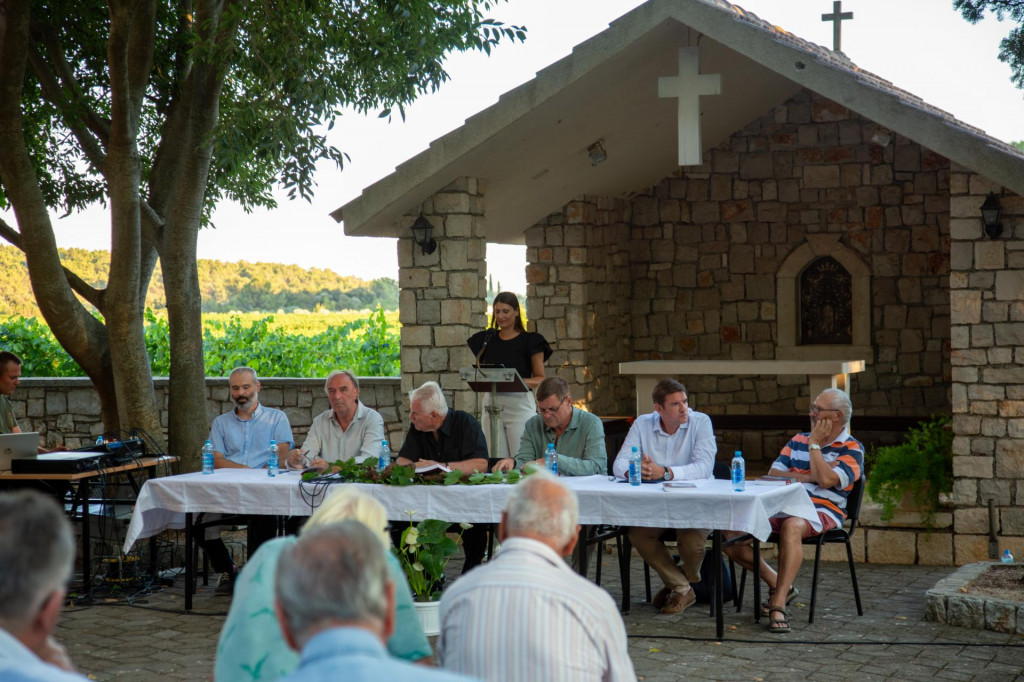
[(37, 550), (430, 397), (250, 370), (541, 505), (350, 375), (840, 401), (334, 572)]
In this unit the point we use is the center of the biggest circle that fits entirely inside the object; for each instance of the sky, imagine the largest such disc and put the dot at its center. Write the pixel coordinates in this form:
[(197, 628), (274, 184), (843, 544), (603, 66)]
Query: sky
[(922, 46)]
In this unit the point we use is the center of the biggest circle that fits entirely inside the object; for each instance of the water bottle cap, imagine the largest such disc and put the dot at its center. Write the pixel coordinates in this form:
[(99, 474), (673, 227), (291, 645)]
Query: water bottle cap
[(737, 454), (636, 449)]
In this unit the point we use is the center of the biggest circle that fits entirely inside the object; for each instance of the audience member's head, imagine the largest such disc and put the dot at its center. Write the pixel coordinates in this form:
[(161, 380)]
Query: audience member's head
[(335, 575), (37, 550), (541, 508), (10, 372), (352, 504)]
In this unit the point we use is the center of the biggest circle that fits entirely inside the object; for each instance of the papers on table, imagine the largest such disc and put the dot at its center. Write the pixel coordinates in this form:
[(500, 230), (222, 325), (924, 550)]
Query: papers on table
[(432, 467), (698, 483)]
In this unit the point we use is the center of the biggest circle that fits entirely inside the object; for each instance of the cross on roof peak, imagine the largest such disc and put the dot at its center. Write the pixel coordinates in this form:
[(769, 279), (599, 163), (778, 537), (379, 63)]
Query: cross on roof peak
[(837, 17)]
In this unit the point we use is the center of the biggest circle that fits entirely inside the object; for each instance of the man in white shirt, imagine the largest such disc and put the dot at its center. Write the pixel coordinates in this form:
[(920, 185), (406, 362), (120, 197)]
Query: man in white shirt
[(675, 443), (348, 430), (37, 549), (526, 615)]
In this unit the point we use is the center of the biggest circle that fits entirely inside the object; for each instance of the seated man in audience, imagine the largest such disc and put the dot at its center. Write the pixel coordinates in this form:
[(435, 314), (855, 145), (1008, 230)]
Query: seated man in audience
[(37, 550), (10, 376), (827, 461), (526, 615), (439, 435), (348, 430), (578, 436), (675, 443), (241, 439), (335, 602)]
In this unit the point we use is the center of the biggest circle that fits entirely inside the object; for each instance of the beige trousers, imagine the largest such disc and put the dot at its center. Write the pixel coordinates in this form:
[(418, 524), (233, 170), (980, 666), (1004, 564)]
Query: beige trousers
[(691, 553)]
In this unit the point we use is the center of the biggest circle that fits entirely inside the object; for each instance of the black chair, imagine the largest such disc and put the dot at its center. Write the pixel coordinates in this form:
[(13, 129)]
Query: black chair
[(843, 534)]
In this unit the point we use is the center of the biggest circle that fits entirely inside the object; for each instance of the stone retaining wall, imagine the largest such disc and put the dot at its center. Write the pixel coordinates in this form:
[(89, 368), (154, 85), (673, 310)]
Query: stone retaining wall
[(66, 411)]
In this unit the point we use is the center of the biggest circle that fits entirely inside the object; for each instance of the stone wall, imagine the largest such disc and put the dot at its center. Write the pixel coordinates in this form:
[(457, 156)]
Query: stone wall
[(441, 295), (66, 412), (987, 305), (703, 249)]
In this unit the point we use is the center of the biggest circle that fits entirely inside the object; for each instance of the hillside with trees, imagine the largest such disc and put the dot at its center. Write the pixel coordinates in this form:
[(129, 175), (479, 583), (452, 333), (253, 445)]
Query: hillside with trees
[(225, 287)]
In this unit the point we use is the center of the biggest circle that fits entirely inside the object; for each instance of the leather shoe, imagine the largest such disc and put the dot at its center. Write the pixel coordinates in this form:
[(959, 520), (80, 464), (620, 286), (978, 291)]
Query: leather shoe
[(679, 599), (662, 597)]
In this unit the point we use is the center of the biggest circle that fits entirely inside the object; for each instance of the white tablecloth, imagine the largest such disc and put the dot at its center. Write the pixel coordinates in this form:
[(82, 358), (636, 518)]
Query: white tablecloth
[(163, 502)]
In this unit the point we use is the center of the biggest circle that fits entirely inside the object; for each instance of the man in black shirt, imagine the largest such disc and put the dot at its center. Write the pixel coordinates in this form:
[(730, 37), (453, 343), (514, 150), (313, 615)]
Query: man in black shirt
[(440, 435)]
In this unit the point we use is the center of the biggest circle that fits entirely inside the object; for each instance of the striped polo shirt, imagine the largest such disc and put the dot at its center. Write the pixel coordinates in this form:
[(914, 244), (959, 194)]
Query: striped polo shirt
[(848, 455)]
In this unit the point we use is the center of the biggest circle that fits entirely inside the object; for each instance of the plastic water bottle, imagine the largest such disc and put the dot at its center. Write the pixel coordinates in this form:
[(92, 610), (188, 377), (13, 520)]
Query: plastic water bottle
[(1007, 557), (551, 459), (208, 457), (634, 466), (739, 472), (384, 458), (272, 462)]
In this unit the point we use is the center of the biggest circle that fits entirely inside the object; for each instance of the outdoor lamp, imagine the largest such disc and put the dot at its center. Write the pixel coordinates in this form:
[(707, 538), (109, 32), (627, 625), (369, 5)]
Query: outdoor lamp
[(990, 212), (422, 232), (596, 153)]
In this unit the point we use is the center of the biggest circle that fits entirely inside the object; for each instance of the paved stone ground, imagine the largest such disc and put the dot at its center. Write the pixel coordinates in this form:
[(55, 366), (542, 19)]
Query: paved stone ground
[(891, 641)]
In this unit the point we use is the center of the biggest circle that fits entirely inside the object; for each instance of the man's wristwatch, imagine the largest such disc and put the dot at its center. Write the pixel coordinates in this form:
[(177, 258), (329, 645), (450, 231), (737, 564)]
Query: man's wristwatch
[(668, 474), (814, 446)]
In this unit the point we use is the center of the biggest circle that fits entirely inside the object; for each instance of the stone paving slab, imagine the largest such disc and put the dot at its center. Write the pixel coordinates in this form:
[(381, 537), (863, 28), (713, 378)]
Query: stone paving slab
[(891, 641)]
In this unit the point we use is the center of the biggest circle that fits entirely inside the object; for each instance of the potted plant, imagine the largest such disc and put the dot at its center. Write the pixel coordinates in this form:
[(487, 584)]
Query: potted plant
[(424, 552), (920, 467)]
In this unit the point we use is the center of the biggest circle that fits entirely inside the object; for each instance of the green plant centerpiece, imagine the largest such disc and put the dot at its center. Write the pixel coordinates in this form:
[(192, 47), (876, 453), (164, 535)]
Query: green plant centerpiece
[(424, 551), (921, 465)]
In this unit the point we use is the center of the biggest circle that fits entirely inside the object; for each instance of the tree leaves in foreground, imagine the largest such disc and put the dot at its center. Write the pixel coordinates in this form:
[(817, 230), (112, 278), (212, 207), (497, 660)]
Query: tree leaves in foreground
[(1011, 48)]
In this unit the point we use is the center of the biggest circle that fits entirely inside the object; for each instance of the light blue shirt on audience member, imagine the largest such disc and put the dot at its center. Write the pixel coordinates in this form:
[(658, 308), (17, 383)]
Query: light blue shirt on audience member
[(356, 655), (247, 441), (251, 642), (19, 664)]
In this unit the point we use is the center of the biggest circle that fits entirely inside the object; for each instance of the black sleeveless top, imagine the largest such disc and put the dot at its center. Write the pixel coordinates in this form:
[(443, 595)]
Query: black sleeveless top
[(514, 353)]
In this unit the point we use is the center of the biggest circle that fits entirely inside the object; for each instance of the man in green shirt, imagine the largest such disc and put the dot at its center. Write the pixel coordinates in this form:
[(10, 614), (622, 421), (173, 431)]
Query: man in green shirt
[(10, 375), (578, 436)]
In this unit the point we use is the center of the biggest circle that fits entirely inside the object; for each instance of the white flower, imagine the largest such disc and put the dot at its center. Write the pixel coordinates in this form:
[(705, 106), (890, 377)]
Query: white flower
[(412, 536), (465, 526), (417, 567)]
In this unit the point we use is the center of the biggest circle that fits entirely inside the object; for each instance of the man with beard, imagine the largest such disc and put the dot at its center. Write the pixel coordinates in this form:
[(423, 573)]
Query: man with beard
[(241, 439), (827, 461)]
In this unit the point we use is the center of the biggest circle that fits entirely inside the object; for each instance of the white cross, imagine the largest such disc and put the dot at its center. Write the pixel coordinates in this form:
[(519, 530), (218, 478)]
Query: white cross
[(687, 87)]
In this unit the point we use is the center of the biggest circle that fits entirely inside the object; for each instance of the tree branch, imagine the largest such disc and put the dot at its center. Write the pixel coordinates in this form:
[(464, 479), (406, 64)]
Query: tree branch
[(79, 285)]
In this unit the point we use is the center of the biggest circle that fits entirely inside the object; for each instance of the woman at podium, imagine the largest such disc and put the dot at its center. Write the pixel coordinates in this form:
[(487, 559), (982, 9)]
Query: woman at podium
[(506, 343)]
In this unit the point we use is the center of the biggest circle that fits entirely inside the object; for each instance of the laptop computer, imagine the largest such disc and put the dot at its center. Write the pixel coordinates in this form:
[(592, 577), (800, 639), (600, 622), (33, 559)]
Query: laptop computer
[(17, 446)]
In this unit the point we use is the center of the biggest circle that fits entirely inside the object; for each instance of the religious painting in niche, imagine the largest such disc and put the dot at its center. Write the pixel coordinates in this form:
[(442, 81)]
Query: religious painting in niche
[(826, 303)]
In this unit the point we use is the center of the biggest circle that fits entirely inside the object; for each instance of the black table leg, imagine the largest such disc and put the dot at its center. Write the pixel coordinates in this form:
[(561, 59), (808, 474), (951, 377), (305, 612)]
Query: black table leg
[(83, 500), (757, 581), (190, 576), (716, 557), (581, 552)]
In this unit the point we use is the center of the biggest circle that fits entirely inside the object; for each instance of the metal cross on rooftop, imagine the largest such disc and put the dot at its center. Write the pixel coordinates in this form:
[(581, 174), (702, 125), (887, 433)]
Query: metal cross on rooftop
[(837, 17)]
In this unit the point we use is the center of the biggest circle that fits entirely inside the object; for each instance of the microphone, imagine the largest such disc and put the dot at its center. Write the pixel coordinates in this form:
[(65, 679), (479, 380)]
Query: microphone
[(487, 339)]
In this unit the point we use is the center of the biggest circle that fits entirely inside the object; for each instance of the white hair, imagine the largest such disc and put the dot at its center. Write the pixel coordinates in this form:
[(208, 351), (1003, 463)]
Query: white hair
[(430, 397), (840, 400), (542, 505), (349, 374)]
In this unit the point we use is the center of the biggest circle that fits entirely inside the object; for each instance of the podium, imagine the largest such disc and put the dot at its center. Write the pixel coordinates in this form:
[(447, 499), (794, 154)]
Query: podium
[(494, 380)]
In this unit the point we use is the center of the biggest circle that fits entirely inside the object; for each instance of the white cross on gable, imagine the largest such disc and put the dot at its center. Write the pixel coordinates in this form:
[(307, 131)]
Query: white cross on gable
[(688, 86)]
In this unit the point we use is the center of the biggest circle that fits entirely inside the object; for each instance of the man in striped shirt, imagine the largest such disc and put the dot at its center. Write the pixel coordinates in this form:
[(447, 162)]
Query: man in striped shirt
[(525, 615), (827, 461)]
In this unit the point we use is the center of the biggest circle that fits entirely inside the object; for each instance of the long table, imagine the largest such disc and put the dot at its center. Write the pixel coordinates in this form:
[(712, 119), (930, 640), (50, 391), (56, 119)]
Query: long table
[(170, 503)]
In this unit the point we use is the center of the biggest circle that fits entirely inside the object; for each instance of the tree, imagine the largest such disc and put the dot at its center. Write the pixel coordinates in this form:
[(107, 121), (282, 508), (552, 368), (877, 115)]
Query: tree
[(1011, 48), (158, 111)]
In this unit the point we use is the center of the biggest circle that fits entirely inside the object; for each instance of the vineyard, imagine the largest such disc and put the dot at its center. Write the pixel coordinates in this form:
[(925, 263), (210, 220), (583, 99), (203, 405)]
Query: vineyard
[(283, 345)]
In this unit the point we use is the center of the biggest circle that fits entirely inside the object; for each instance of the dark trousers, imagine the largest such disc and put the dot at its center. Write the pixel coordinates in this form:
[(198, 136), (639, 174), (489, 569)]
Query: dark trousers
[(474, 542), (260, 529)]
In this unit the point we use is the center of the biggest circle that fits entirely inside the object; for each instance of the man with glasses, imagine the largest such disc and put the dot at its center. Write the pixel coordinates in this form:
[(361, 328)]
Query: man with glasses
[(578, 436), (827, 461)]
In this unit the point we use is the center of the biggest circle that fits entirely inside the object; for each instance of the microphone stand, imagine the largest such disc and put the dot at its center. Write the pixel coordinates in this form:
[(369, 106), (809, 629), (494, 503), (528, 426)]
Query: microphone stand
[(494, 409)]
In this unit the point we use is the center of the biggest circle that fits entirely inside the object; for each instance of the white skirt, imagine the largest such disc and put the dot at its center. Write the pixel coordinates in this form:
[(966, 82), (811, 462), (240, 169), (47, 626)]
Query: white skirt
[(518, 408)]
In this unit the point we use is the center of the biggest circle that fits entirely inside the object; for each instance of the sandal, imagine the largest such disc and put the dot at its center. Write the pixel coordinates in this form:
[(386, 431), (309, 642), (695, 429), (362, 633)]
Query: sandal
[(790, 596), (779, 626)]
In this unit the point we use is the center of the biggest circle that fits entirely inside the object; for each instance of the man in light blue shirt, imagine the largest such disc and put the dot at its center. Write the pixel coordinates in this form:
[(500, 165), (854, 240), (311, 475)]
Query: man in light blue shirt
[(675, 443), (37, 549), (335, 603), (241, 440)]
